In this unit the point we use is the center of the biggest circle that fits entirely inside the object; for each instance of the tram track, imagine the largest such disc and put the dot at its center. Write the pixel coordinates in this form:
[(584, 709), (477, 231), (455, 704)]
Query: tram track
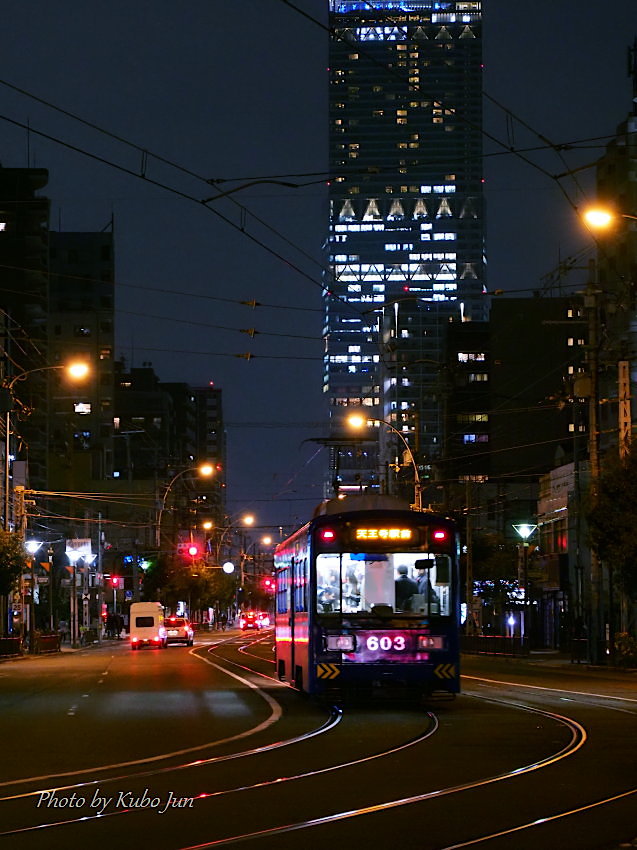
[(327, 819), (577, 742)]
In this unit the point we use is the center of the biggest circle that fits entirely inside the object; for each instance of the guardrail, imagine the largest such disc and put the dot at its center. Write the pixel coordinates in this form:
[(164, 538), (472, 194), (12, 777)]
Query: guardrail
[(509, 647), (47, 643), (10, 646)]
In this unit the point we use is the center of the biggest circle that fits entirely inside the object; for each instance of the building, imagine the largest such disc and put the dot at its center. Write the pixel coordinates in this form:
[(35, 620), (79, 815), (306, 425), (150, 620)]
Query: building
[(210, 442), (517, 431), (615, 281), (406, 228), (24, 257), (81, 326)]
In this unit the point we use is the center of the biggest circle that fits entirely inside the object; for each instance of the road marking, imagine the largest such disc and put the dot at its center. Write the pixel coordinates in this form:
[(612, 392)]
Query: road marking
[(275, 716), (542, 688)]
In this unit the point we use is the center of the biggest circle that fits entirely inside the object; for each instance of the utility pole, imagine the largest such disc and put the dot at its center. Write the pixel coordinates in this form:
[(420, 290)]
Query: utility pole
[(469, 560), (21, 524), (592, 357), (625, 418)]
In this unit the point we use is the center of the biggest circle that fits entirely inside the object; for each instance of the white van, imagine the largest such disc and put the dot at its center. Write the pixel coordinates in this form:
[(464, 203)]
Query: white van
[(147, 628)]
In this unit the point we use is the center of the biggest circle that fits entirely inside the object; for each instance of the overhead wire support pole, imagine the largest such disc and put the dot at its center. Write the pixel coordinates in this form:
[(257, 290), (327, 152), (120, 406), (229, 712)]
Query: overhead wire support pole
[(592, 310)]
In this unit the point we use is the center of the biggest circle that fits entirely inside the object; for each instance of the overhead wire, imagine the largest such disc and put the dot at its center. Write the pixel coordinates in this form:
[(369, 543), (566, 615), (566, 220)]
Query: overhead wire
[(145, 153)]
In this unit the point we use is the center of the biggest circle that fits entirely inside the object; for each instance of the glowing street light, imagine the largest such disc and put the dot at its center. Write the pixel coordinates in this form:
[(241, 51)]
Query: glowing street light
[(356, 420), (205, 470), (603, 218), (76, 370)]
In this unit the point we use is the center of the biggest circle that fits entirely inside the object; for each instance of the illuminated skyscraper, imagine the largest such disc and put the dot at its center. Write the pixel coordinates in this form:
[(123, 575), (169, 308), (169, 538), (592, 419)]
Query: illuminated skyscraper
[(406, 237)]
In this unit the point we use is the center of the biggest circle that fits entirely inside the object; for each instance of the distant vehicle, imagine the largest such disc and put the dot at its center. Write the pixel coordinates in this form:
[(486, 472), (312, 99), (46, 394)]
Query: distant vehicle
[(179, 630), (252, 620), (147, 625), (265, 619)]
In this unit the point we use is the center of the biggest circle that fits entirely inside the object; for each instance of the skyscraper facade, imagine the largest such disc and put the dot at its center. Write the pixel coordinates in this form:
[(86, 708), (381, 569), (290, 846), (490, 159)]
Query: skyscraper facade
[(406, 228)]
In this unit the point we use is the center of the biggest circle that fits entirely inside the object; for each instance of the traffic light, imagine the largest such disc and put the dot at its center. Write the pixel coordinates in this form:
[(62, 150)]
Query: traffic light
[(117, 581), (269, 584), (192, 549)]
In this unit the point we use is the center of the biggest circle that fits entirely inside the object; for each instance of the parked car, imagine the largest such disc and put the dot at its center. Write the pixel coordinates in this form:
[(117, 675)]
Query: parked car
[(179, 630)]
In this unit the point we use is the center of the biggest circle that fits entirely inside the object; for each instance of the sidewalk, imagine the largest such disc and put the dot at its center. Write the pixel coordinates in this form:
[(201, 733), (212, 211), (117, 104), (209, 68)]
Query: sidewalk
[(65, 648), (555, 659)]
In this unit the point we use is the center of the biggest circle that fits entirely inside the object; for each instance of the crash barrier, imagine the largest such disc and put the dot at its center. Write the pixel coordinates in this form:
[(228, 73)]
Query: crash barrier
[(10, 646), (88, 636), (50, 642), (579, 650), (510, 647)]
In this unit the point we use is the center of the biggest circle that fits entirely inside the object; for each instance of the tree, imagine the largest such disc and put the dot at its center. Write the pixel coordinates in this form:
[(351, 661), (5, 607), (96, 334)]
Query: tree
[(13, 560), (612, 518), (495, 573)]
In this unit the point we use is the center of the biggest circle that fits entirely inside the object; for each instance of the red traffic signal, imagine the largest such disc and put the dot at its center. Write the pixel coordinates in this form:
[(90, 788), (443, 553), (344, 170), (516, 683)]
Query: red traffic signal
[(193, 550), (117, 581)]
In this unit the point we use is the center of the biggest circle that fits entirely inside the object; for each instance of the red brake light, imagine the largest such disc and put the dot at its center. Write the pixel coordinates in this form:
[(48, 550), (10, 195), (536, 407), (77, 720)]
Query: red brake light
[(440, 535), (328, 534)]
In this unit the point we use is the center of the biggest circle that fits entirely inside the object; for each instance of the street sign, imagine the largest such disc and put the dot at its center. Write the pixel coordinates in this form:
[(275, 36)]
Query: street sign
[(42, 579)]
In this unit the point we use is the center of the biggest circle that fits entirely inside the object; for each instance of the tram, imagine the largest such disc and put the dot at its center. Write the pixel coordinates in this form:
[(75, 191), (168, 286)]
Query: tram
[(367, 600)]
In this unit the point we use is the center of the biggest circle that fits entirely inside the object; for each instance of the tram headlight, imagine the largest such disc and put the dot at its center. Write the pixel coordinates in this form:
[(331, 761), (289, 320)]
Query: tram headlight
[(341, 643), (431, 642)]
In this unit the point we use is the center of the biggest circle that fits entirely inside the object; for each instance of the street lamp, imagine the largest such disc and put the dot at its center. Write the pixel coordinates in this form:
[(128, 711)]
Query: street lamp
[(602, 218), (525, 530), (358, 421), (32, 547), (74, 556), (205, 470), (77, 370)]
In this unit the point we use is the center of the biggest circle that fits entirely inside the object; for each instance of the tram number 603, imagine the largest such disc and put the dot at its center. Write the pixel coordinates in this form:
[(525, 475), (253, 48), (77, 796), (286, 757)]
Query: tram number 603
[(386, 643)]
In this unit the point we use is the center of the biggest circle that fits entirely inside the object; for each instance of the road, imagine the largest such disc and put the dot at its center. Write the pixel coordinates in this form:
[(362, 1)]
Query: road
[(203, 747)]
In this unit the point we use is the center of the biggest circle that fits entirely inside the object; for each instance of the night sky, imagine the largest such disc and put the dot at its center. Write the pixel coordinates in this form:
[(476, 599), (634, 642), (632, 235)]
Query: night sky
[(237, 90)]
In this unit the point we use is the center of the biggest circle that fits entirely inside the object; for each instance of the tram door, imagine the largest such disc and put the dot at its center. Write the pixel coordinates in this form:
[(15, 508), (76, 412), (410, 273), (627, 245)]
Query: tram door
[(285, 623)]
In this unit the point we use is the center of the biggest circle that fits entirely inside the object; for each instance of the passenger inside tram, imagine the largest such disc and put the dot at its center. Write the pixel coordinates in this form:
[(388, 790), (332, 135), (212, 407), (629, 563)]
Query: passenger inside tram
[(410, 583)]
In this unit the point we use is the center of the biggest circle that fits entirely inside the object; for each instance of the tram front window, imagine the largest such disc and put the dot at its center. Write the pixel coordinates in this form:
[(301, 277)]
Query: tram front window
[(408, 582)]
